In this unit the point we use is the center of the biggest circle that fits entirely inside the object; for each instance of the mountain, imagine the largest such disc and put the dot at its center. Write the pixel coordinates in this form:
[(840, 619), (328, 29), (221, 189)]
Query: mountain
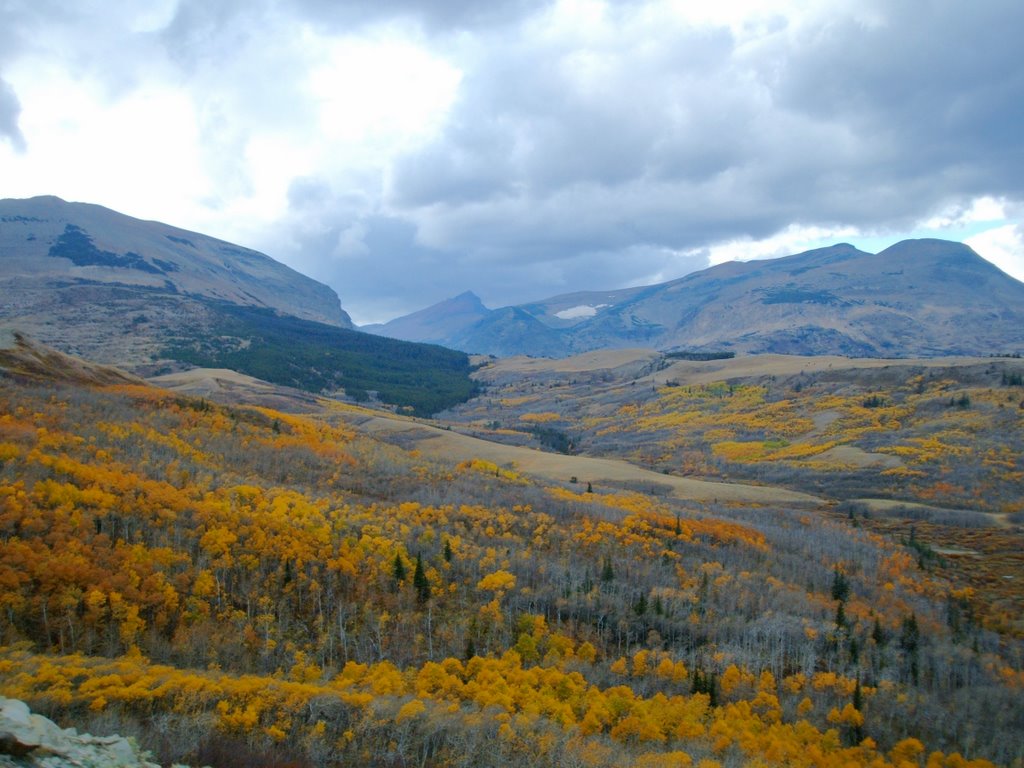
[(463, 322), (916, 298), (503, 333), (93, 281), (436, 323), (85, 281)]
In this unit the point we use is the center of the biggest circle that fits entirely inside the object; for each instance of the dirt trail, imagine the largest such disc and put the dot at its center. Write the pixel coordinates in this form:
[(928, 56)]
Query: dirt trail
[(442, 443)]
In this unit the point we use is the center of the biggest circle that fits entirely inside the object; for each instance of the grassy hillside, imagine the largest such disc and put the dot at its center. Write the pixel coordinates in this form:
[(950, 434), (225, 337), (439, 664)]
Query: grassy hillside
[(237, 586), (421, 378)]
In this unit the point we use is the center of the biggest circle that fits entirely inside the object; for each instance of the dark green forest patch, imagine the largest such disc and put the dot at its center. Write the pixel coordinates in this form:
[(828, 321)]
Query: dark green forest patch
[(315, 357)]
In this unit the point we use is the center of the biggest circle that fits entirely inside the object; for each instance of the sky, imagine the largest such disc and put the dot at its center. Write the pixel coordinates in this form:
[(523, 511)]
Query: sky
[(405, 151)]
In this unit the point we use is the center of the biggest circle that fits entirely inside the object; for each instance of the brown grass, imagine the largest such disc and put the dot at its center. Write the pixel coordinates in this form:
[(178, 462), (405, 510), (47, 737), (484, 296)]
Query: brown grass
[(26, 360), (233, 388), (442, 443)]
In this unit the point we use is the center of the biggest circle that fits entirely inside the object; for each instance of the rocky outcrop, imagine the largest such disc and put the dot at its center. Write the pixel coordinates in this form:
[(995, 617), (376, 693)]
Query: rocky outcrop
[(30, 740)]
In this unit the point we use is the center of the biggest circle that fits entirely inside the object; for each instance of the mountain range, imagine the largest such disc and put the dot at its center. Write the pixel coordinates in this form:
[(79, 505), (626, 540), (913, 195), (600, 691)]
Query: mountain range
[(917, 298), (144, 295)]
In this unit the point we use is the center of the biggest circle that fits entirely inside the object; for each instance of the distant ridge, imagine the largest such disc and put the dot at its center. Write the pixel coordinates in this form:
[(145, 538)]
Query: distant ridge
[(922, 298)]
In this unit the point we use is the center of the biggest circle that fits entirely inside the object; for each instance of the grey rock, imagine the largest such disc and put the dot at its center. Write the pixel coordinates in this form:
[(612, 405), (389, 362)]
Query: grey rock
[(29, 740)]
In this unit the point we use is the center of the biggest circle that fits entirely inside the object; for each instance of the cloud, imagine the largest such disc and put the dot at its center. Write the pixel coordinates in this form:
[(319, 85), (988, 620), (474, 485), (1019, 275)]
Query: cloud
[(1003, 246), (407, 151), (10, 109), (939, 93), (584, 134), (438, 16), (642, 128)]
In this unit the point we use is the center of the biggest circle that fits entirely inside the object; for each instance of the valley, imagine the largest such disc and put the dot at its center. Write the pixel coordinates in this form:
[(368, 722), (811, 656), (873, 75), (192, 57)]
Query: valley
[(233, 584), (154, 299)]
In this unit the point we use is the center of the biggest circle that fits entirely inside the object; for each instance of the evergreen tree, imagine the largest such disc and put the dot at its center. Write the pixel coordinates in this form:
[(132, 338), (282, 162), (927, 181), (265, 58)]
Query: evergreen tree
[(878, 634), (420, 582), (708, 684), (447, 551), (840, 586), (703, 590), (641, 605), (910, 635), (399, 568), (696, 682), (910, 638), (858, 704)]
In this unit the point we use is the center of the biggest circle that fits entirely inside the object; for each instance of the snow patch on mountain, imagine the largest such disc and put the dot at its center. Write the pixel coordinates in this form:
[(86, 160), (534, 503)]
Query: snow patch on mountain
[(583, 310)]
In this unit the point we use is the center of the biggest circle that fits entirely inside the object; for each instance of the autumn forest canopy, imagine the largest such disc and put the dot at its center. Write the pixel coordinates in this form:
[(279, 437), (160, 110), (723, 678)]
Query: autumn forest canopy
[(239, 586)]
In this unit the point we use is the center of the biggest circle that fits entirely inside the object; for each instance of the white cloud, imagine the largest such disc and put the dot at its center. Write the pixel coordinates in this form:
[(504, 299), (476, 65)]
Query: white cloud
[(793, 239), (151, 16), (381, 94), (964, 213), (1003, 246), (137, 153), (351, 242)]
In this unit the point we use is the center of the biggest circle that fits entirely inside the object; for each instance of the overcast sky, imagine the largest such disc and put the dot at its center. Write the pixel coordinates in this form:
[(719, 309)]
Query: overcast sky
[(405, 151)]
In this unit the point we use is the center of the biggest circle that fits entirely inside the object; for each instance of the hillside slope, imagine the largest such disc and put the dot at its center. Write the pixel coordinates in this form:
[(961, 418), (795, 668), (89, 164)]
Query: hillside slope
[(930, 450), (237, 586), (154, 299)]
